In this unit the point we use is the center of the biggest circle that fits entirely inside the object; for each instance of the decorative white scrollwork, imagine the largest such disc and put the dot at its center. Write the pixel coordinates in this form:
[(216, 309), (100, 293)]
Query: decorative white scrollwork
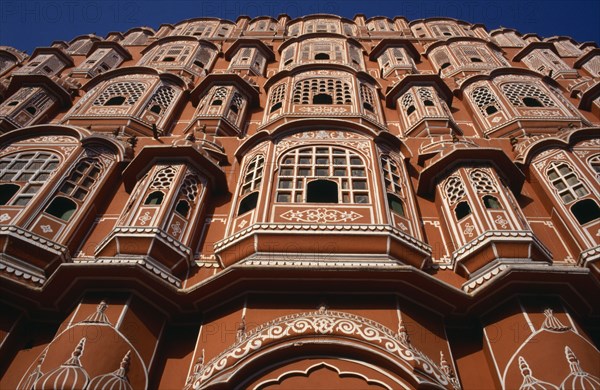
[(324, 323), (320, 215)]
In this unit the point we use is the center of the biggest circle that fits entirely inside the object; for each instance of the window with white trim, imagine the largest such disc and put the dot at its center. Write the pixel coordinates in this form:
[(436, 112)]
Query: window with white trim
[(251, 184), (594, 163), (567, 184), (23, 174), (161, 100), (277, 97), (120, 94), (526, 95), (75, 189), (485, 100), (342, 167), (322, 91)]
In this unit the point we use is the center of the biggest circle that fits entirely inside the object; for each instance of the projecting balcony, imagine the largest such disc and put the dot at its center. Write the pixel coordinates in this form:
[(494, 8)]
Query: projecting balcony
[(323, 245), (29, 257)]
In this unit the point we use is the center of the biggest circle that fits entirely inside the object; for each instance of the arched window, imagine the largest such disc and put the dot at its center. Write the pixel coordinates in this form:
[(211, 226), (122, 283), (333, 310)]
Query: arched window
[(337, 91), (322, 191), (526, 95), (62, 208), (482, 182), (161, 100), (408, 103), (454, 190), (188, 194), (566, 182), (426, 97), (28, 171), (219, 96), (485, 101), (393, 184), (277, 97), (594, 163), (340, 166), (396, 204), (462, 210), (75, 189), (121, 93), (491, 202), (251, 184), (368, 100), (154, 198), (585, 211)]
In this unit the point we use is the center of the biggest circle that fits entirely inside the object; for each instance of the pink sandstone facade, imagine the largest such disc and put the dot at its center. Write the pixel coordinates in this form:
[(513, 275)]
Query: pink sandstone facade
[(310, 203)]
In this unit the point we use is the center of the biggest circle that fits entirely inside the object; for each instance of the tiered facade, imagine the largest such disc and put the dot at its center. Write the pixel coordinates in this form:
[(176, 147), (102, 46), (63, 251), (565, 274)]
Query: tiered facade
[(301, 203)]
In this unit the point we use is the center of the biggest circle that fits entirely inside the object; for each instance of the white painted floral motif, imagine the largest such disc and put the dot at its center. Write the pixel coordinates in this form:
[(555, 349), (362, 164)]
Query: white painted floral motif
[(145, 218), (176, 229), (46, 228), (242, 224), (469, 230), (503, 223), (4, 217), (320, 215)]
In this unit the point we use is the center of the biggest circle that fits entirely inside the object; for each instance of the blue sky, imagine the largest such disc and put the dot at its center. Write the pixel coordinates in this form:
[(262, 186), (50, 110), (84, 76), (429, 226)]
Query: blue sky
[(26, 24)]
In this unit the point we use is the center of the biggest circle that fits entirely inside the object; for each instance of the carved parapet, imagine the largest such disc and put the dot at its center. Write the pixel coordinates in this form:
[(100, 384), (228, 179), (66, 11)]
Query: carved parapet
[(28, 256), (286, 239), (500, 247), (152, 244)]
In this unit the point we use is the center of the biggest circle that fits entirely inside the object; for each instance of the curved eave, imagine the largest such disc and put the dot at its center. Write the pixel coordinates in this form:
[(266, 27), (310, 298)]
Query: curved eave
[(588, 97), (534, 46), (559, 38), (54, 51), (35, 131), (562, 142), (394, 42), (439, 19), (142, 29), (249, 42), (418, 79), (178, 38), (124, 151), (465, 156), (506, 71), (225, 79), (91, 37), (300, 125), (205, 19), (257, 18), (18, 55), (307, 36), (586, 57), (184, 153), (133, 70), (503, 30), (308, 67), (319, 16), (111, 45), (450, 41), (19, 80)]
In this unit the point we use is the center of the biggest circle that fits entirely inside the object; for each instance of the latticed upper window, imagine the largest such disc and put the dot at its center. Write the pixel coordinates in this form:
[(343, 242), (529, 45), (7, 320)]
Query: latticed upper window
[(321, 50), (442, 59), (187, 194), (23, 174), (321, 25), (277, 97), (445, 30), (120, 94), (82, 179), (367, 98), (408, 103), (426, 96), (199, 30), (526, 95), (337, 176), (593, 66), (163, 178), (356, 57), (236, 102), (594, 162), (162, 99), (75, 189), (322, 91), (202, 58), (485, 100), (391, 175), (253, 176), (454, 189), (566, 182), (482, 182), (219, 96), (173, 53)]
